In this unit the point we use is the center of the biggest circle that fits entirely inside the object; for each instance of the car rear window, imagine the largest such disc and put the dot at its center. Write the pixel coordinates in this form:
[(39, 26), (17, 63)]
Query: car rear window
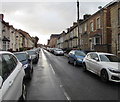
[(21, 56), (80, 53), (109, 58)]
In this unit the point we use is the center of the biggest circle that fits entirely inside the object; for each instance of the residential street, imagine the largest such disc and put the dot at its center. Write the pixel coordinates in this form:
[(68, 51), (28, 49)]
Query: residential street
[(55, 79)]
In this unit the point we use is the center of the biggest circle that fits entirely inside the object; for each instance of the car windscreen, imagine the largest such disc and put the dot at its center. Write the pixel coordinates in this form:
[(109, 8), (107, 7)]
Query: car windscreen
[(109, 58), (80, 53), (58, 50), (31, 52), (21, 56)]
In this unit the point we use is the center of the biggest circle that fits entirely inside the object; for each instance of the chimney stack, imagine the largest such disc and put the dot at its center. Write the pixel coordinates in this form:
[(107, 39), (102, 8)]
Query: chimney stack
[(86, 16), (1, 17)]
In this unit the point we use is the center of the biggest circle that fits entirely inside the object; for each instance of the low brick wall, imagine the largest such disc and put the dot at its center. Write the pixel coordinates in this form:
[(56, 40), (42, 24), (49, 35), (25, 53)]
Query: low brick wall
[(103, 48)]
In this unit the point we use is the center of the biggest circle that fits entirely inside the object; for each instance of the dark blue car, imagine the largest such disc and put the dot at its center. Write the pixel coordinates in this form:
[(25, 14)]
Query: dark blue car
[(76, 57), (26, 61)]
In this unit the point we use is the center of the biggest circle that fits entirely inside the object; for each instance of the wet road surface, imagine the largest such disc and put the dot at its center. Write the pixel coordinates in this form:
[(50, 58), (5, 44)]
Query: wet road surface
[(55, 79)]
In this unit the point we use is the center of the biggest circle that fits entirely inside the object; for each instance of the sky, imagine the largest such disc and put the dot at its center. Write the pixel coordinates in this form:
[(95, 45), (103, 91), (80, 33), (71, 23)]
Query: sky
[(43, 18)]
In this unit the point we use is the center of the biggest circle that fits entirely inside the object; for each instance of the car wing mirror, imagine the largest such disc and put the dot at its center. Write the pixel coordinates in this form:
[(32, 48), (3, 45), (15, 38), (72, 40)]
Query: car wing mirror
[(1, 81), (96, 59), (30, 58)]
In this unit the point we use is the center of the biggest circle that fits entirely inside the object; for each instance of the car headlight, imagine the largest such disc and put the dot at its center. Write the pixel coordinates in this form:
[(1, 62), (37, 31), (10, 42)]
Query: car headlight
[(25, 66), (79, 59), (114, 70)]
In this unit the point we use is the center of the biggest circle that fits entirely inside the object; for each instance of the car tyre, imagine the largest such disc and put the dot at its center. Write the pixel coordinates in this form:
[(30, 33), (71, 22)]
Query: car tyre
[(84, 67), (68, 60), (32, 69), (30, 75), (24, 93), (104, 76)]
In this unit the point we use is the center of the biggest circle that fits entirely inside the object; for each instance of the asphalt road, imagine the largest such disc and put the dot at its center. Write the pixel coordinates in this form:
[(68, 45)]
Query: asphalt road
[(55, 79)]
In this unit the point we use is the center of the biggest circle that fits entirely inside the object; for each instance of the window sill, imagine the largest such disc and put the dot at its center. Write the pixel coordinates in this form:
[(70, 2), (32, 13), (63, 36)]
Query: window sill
[(118, 51), (118, 26)]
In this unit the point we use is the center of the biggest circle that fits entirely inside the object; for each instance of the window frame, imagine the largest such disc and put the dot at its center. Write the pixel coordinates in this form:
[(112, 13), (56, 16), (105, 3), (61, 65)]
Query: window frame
[(118, 16), (91, 26), (98, 23), (118, 42)]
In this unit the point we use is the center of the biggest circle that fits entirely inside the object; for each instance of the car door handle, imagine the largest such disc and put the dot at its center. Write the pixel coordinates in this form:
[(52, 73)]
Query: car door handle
[(19, 69), (10, 82)]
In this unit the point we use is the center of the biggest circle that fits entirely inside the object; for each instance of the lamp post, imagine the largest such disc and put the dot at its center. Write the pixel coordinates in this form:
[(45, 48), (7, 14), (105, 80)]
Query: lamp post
[(78, 24)]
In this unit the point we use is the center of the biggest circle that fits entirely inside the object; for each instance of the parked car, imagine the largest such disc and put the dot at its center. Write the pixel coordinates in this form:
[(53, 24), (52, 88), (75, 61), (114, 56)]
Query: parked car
[(26, 61), (12, 74), (34, 55), (105, 65), (76, 57), (52, 50), (58, 52)]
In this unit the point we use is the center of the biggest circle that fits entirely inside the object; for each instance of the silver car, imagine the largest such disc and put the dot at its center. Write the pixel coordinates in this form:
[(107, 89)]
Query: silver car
[(12, 74), (105, 65)]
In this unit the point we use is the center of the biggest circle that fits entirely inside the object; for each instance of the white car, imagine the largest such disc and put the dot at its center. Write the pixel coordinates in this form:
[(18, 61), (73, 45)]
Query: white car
[(105, 65), (12, 74), (58, 51)]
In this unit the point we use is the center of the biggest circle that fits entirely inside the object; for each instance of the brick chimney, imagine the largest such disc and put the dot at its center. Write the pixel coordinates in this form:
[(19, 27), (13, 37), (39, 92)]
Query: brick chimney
[(86, 16), (1, 17)]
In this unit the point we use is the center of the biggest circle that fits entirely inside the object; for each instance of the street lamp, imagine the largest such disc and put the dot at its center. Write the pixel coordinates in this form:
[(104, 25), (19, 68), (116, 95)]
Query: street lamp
[(78, 24)]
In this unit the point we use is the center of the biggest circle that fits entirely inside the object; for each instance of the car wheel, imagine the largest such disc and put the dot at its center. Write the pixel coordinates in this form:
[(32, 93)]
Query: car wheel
[(32, 69), (30, 74), (104, 76), (75, 63), (68, 60), (24, 93), (84, 67)]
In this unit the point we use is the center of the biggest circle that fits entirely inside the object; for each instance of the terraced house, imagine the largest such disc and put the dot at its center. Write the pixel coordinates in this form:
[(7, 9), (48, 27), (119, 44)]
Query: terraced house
[(115, 26), (13, 39), (98, 32)]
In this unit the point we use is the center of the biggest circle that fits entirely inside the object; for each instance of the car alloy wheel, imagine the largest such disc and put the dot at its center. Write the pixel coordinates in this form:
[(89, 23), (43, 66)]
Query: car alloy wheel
[(104, 76)]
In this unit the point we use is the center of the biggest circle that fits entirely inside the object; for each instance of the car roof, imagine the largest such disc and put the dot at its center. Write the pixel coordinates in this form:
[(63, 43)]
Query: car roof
[(19, 52), (5, 52), (101, 53), (78, 50)]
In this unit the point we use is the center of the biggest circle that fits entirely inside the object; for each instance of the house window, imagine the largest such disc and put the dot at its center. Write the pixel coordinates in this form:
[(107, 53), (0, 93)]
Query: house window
[(93, 43), (98, 23), (4, 45), (119, 16), (97, 40), (119, 42), (91, 26), (85, 27)]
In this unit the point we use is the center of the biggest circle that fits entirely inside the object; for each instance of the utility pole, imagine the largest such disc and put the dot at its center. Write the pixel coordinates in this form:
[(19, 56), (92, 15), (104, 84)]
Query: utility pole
[(78, 24)]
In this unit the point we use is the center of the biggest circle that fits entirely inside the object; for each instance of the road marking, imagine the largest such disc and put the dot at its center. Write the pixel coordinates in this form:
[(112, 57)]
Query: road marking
[(61, 86), (52, 69), (65, 93)]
